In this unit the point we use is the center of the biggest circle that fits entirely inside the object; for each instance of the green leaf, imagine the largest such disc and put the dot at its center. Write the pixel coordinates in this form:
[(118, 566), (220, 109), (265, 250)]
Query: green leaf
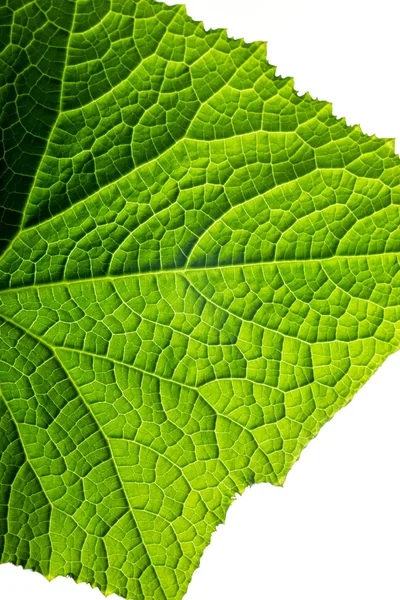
[(199, 268)]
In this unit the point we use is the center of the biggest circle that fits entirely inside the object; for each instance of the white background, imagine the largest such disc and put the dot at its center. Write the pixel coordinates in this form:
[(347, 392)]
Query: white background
[(333, 531)]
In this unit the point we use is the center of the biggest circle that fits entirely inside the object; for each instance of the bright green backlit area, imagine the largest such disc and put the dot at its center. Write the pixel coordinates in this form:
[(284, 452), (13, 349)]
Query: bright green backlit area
[(198, 269)]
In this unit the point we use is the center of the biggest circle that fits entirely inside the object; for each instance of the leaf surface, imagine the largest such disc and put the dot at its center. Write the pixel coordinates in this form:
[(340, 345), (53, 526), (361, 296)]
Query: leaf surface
[(199, 268)]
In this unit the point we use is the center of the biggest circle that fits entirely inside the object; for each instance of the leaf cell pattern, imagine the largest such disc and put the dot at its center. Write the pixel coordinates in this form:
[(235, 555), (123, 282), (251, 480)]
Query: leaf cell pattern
[(199, 268)]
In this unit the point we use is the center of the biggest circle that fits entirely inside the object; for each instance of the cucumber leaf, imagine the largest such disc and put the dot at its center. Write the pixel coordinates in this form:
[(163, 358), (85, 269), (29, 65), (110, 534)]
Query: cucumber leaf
[(198, 269)]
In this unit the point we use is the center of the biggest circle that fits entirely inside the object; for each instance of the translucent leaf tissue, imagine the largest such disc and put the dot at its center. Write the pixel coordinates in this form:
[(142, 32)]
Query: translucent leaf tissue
[(198, 269)]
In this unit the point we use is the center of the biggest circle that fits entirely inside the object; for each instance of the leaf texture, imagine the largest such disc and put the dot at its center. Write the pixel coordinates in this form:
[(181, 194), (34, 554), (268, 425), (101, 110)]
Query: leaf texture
[(199, 268)]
